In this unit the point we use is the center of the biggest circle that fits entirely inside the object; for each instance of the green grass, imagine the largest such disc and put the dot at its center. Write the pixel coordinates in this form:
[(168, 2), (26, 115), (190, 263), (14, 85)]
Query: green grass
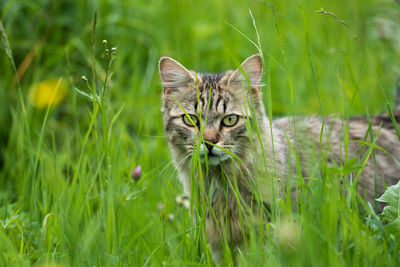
[(66, 194)]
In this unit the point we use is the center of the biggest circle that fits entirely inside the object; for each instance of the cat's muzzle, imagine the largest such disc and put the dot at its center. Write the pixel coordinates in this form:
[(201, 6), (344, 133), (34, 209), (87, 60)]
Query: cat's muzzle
[(214, 155)]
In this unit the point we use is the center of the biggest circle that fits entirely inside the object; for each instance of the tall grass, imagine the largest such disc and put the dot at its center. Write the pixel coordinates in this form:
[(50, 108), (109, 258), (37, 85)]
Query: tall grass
[(67, 196)]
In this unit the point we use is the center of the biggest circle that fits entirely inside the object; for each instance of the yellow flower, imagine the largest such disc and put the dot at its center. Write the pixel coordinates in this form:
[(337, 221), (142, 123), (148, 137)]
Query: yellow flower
[(48, 93)]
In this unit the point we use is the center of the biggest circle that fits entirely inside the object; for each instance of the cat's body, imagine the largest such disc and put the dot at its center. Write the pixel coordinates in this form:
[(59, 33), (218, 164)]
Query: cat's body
[(308, 131), (231, 100)]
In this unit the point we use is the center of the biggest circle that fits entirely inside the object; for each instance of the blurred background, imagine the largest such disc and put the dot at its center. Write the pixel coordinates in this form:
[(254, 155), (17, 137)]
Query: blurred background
[(67, 192)]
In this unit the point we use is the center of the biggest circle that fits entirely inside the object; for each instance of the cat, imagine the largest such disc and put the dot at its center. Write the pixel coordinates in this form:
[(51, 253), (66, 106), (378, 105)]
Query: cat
[(217, 109)]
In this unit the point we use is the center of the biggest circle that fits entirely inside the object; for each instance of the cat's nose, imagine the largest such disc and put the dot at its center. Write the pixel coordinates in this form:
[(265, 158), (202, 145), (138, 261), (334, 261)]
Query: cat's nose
[(210, 136), (209, 146)]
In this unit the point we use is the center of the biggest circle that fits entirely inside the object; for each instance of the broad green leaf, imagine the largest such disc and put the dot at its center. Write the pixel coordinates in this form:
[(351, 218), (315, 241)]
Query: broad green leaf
[(392, 198)]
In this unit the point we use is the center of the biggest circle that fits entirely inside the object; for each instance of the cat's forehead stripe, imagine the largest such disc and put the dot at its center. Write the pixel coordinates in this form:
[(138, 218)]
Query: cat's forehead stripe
[(208, 78), (211, 94)]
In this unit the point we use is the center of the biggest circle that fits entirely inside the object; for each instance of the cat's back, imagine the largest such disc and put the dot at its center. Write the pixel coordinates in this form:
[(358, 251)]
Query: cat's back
[(383, 129), (352, 138), (383, 136)]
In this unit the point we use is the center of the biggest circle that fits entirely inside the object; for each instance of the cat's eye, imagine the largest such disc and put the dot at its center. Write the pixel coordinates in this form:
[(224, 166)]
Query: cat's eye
[(230, 120), (190, 122)]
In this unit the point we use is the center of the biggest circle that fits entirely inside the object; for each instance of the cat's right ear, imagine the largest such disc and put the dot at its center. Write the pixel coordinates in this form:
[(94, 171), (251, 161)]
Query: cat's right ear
[(248, 74), (174, 76)]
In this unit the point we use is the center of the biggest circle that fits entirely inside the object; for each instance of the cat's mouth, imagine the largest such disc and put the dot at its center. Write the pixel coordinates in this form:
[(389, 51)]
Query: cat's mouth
[(214, 157), (211, 160)]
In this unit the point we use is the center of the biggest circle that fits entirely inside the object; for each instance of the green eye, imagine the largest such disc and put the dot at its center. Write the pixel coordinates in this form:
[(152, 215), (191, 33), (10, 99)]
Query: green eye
[(230, 120), (187, 121)]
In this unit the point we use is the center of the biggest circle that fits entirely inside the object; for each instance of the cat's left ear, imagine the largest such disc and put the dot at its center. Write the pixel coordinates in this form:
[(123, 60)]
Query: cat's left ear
[(174, 75), (248, 74)]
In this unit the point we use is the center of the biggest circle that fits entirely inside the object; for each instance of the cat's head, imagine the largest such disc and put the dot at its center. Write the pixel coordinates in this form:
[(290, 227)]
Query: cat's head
[(212, 108)]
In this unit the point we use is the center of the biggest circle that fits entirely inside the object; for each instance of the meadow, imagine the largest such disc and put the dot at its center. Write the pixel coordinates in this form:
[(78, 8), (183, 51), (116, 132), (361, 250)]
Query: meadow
[(86, 175)]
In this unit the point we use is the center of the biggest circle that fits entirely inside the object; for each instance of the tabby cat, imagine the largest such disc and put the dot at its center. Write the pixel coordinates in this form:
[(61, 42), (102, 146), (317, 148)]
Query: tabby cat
[(221, 118)]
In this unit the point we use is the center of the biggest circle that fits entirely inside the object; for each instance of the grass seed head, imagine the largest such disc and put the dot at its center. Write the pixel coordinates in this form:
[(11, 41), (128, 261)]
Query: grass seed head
[(288, 236)]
